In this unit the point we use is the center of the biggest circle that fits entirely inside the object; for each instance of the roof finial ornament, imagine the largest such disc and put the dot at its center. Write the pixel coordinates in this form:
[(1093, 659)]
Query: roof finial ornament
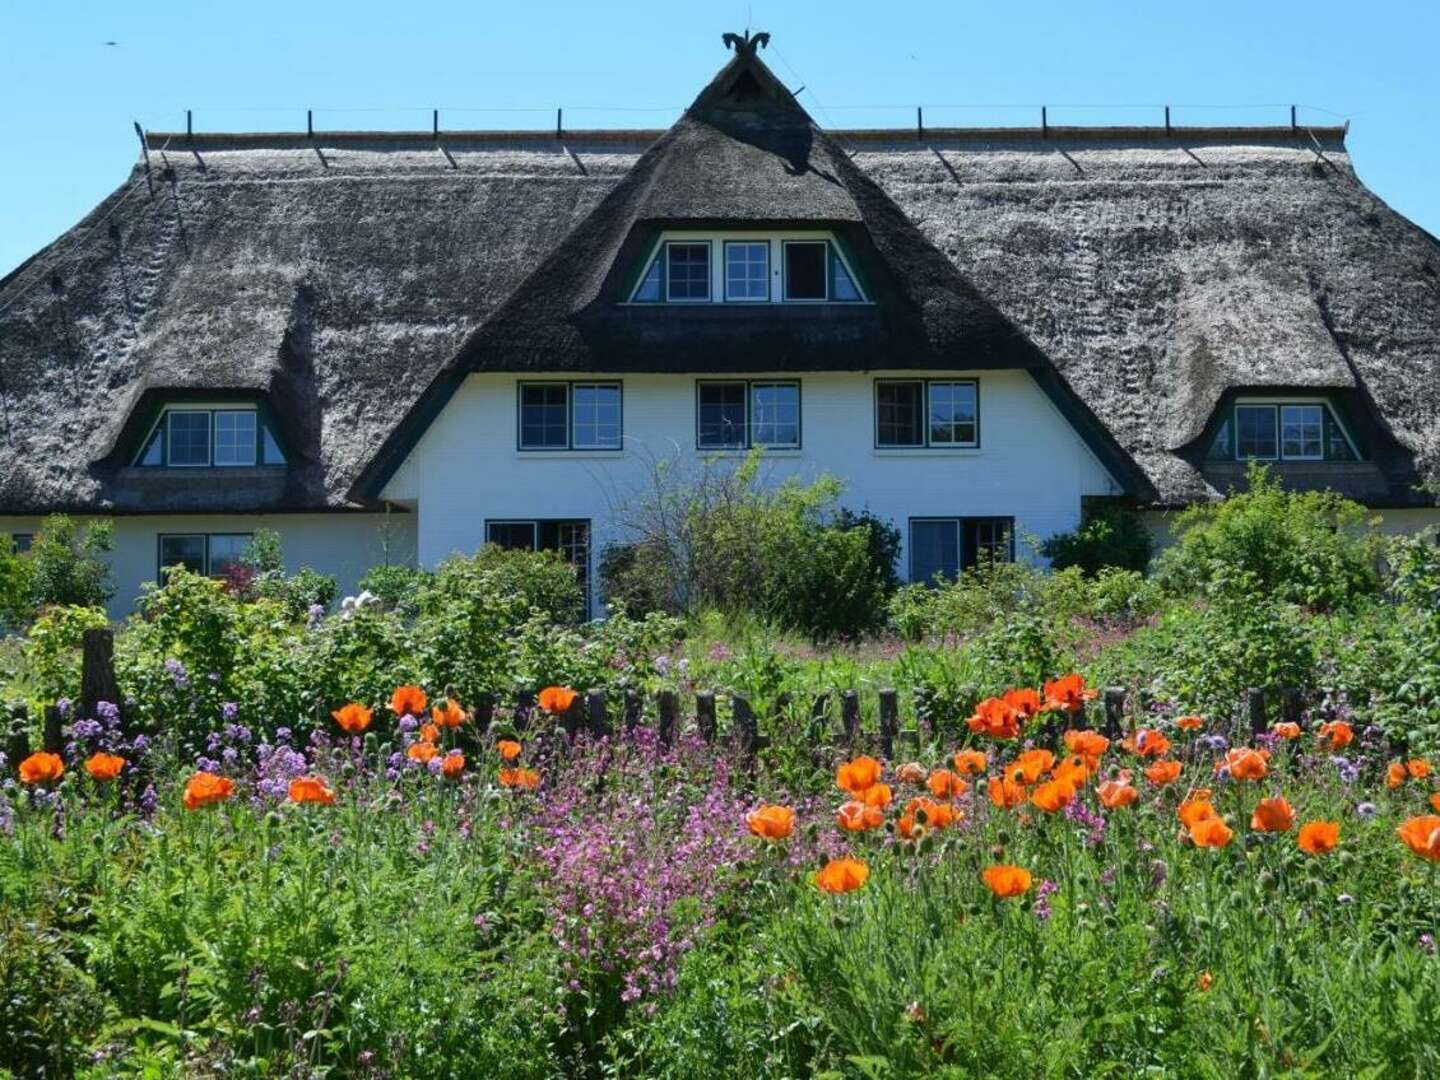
[(747, 45)]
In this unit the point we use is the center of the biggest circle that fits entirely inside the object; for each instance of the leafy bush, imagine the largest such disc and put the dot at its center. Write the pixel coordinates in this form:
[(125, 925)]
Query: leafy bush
[(1310, 548), (394, 586), (68, 565), (16, 603), (1112, 537), (52, 650), (634, 578)]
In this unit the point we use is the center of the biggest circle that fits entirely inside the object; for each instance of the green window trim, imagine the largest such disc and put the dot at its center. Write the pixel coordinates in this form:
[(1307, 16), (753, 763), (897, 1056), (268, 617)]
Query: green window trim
[(220, 436)]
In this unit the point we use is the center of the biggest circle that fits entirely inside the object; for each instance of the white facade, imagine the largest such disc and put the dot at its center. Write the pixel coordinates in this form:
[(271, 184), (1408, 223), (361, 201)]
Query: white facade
[(341, 545), (467, 469)]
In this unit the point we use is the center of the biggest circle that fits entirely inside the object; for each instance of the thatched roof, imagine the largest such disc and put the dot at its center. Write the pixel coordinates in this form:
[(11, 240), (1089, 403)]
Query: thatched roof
[(352, 279)]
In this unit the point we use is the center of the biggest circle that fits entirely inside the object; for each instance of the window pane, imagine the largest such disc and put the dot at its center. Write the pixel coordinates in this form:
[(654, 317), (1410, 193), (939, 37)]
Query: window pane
[(235, 438), (1337, 446), (544, 416), (775, 414), (154, 452), (649, 290), (187, 551), (227, 550), (747, 271), (898, 414), (189, 438), (987, 540), (1255, 431), (572, 540), (597, 415), (805, 271), (20, 543), (511, 534), (841, 287), (952, 414), (1221, 449), (689, 271), (270, 453), (1302, 431), (934, 549), (722, 415)]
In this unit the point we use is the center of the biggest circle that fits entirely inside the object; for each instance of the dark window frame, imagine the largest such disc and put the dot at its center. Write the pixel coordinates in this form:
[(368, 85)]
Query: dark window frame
[(962, 522), (709, 296), (21, 542), (926, 444), (658, 262), (570, 445), (1328, 418), (208, 570), (749, 442), (537, 526), (264, 430), (826, 255)]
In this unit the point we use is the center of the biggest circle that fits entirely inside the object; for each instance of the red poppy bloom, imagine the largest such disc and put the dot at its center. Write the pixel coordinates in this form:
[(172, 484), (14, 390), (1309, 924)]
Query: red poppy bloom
[(557, 699), (519, 778), (1272, 815), (1030, 766), (311, 789), (452, 765), (855, 816), (204, 789), (969, 762), (1007, 881), (944, 784), (997, 718), (1068, 693), (449, 714), (858, 775), (1210, 832), (1053, 796), (1147, 742), (422, 751), (1318, 837), (1422, 836), (1286, 729), (1163, 772), (408, 701), (41, 768), (509, 749), (771, 822), (1024, 701), (1190, 723), (1336, 734), (1114, 794), (353, 718), (103, 766), (1005, 793), (1244, 763), (841, 875)]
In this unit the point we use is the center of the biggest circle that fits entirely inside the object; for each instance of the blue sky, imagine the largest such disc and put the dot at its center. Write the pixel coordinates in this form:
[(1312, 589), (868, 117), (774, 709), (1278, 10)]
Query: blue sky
[(70, 98)]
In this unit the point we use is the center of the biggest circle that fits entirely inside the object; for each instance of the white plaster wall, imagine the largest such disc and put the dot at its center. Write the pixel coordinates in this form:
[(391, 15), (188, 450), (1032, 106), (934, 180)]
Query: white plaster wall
[(341, 545), (466, 468)]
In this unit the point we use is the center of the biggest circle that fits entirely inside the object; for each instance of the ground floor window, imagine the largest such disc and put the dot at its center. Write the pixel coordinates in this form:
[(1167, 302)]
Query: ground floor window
[(570, 537), (21, 542), (211, 554), (940, 548)]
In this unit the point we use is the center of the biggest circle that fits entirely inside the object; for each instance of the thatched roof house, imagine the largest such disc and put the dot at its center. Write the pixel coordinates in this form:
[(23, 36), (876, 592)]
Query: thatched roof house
[(350, 283)]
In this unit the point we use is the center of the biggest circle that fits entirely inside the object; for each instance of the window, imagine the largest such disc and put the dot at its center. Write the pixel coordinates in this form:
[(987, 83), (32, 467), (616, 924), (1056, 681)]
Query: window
[(20, 543), (747, 270), (570, 416), (738, 415), (211, 554), (571, 538), (1287, 431), (753, 268), (220, 437), (927, 413), (940, 548)]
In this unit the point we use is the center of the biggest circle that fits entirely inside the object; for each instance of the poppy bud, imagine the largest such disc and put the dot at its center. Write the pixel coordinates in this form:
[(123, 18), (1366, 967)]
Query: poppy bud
[(1267, 881), (927, 843), (1003, 836), (371, 742)]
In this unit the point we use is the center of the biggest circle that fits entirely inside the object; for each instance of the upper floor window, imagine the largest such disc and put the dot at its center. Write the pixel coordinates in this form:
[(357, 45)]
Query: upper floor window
[(570, 416), (936, 413), (199, 437), (738, 415), (1282, 431), (748, 268)]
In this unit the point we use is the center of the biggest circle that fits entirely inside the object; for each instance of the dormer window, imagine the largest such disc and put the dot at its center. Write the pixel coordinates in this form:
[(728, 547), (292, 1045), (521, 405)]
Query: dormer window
[(190, 437), (747, 268), (1256, 430)]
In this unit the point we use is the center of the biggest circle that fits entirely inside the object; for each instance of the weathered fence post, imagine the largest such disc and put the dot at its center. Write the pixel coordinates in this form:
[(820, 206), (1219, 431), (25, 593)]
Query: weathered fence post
[(1114, 712), (743, 718), (484, 712), (53, 736), (850, 716), (97, 673), (705, 714), (669, 710), (17, 743), (524, 707), (599, 716), (1255, 700), (1292, 704), (633, 707), (889, 722)]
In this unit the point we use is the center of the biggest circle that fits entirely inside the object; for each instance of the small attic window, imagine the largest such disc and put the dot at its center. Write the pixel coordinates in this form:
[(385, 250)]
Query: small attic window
[(228, 436), (1271, 430), (748, 268)]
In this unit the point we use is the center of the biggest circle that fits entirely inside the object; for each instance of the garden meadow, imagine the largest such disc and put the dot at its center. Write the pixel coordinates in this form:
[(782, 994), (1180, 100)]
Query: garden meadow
[(1140, 814)]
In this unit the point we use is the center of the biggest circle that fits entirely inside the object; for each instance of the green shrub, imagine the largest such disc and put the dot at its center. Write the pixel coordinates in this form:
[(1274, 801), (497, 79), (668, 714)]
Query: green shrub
[(539, 580), (1110, 537), (635, 578), (394, 586), (1310, 548), (68, 566), (52, 651), (17, 605)]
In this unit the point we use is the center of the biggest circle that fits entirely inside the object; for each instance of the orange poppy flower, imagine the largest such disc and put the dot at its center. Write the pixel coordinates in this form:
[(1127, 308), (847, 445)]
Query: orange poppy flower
[(557, 699), (912, 772), (1163, 772), (939, 815), (422, 751), (1244, 763), (205, 788), (1318, 837), (997, 718), (1435, 801), (1005, 793), (311, 789), (1024, 701), (1006, 881), (353, 718), (855, 816), (452, 765), (969, 762), (450, 714), (1422, 836), (1286, 729), (944, 784), (1205, 982), (1074, 770), (1418, 768), (429, 733), (509, 749), (408, 701), (1088, 744), (41, 768), (876, 795), (1395, 774), (1195, 810), (1147, 742), (1030, 766), (103, 766), (858, 775), (1336, 734), (1190, 723), (1210, 832), (1114, 794), (1053, 796), (1272, 815), (520, 778), (841, 875), (1068, 693), (771, 822)]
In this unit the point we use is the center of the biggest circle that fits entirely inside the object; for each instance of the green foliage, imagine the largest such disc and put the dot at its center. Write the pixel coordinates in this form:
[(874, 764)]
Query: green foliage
[(264, 554), (68, 565), (394, 586), (538, 580), (52, 651), (634, 578), (298, 593), (1310, 548), (16, 591), (1113, 537)]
